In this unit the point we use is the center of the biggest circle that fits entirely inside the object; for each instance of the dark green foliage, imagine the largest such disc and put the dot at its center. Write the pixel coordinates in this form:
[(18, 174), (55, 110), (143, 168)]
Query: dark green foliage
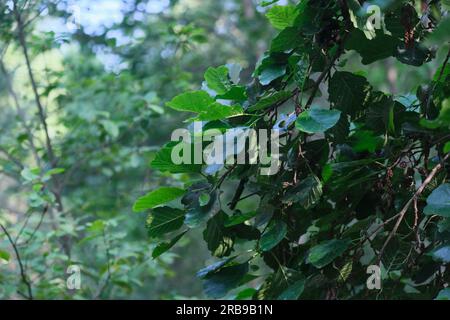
[(362, 171)]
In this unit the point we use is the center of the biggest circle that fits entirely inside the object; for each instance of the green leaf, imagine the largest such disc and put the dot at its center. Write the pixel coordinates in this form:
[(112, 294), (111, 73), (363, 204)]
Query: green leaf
[(441, 74), (163, 220), (382, 113), (339, 133), (438, 201), (197, 213), (269, 101), (442, 121), (278, 282), (446, 147), (239, 218), (381, 47), (282, 16), (246, 294), (219, 241), (111, 128), (300, 65), (327, 172), (54, 171), (293, 291), (287, 39), (201, 102), (218, 284), (30, 174), (440, 34), (365, 140), (444, 225), (273, 235), (266, 3), (236, 93), (217, 111), (324, 253), (349, 92), (317, 120), (166, 246), (345, 271), (307, 192), (204, 199), (271, 73), (446, 4), (441, 253), (157, 198), (444, 294), (217, 79), (4, 256), (163, 161), (97, 226), (194, 101), (393, 22)]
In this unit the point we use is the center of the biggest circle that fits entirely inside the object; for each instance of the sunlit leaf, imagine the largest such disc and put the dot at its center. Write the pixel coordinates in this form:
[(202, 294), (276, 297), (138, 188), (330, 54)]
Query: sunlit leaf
[(282, 16), (157, 197)]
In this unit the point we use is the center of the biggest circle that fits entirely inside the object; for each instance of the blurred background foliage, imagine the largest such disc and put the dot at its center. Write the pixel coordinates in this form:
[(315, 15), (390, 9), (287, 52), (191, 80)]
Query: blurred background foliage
[(100, 72)]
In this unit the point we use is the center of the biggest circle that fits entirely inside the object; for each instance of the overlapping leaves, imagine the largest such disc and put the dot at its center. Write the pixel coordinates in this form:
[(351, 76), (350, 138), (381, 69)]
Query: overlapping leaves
[(344, 165)]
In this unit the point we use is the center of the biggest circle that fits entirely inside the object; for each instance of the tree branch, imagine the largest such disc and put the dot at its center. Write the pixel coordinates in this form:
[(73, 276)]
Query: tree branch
[(51, 155), (23, 44), (402, 213)]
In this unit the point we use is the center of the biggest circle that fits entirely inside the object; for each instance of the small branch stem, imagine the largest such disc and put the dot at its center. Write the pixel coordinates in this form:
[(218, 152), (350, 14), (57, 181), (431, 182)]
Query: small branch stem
[(23, 44), (238, 194), (402, 213), (19, 260)]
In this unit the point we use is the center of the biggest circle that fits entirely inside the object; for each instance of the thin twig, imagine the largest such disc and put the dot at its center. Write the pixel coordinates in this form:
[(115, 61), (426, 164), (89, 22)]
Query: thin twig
[(23, 44), (377, 230), (238, 194), (42, 117), (224, 176), (402, 213), (38, 226), (246, 197), (19, 260), (416, 224), (20, 112), (108, 277), (11, 158)]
